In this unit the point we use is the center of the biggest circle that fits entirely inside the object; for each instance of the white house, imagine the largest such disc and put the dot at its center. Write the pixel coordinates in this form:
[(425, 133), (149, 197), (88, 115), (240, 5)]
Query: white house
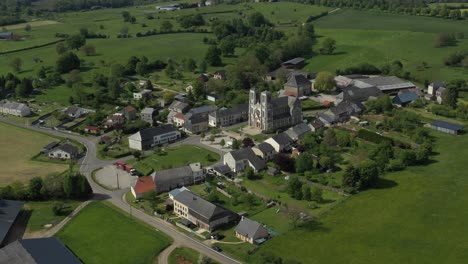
[(280, 142), (65, 151), (151, 137), (239, 160), (142, 94), (14, 108), (74, 111)]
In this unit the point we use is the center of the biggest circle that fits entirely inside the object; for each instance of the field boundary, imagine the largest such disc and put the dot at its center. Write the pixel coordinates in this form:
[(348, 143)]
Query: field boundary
[(33, 47)]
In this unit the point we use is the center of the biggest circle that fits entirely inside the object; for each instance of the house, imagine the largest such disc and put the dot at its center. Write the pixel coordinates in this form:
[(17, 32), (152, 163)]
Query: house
[(284, 73), (446, 127), (65, 151), (251, 231), (298, 131), (200, 212), (264, 151), (340, 113), (210, 2), (196, 120), (6, 35), (9, 212), (361, 94), (404, 98), (297, 86), (175, 192), (129, 112), (153, 136), (222, 170), (92, 130), (386, 84), (14, 108), (178, 119), (316, 124), (179, 107), (48, 250), (433, 87), (170, 179), (145, 94), (220, 75), (117, 120), (296, 63), (74, 111), (213, 97), (142, 185), (239, 160), (147, 115), (49, 147), (440, 95), (229, 116), (280, 142)]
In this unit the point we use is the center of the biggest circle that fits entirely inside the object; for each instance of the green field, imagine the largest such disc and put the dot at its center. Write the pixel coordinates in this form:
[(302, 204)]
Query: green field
[(41, 214), (413, 218), (18, 146), (175, 157), (378, 38), (102, 234), (183, 255)]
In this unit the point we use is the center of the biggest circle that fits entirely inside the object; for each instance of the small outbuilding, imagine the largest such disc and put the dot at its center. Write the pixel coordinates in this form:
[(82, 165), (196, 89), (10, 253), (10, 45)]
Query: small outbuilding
[(446, 127)]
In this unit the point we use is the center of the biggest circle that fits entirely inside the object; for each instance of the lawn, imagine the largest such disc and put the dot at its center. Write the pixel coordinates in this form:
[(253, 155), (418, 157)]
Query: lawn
[(175, 157), (378, 38), (183, 255), (41, 214), (18, 146), (413, 218), (101, 233)]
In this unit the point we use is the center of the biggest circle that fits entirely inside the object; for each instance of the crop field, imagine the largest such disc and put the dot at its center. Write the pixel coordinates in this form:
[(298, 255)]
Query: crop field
[(378, 38), (18, 146)]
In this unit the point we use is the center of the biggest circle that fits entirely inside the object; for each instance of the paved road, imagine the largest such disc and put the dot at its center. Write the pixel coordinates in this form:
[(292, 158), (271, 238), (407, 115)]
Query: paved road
[(90, 162), (163, 256)]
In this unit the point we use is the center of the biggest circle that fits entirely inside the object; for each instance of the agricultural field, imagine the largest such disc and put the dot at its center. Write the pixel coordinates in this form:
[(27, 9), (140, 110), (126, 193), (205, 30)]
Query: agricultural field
[(101, 233), (18, 147), (378, 38), (183, 255)]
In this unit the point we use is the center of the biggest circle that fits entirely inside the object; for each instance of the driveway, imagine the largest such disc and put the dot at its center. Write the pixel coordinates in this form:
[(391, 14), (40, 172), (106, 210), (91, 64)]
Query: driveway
[(113, 178)]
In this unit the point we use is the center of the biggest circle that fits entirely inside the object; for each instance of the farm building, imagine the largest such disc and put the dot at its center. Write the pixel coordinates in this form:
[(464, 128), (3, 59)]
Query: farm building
[(404, 98), (10, 210), (446, 127), (14, 108), (142, 185)]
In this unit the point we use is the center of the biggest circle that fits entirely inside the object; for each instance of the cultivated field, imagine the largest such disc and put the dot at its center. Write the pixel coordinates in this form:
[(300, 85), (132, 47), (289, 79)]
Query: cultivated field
[(17, 147), (102, 234)]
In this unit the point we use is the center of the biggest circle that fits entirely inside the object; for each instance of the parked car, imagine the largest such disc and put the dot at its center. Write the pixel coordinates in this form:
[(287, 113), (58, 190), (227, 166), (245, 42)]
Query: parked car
[(216, 248), (216, 236)]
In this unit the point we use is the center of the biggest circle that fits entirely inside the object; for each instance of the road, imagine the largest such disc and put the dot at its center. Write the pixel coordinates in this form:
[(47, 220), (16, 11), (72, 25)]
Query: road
[(90, 162)]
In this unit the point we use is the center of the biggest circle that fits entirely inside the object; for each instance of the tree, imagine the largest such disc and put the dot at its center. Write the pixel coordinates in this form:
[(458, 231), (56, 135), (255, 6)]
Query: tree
[(257, 19), (141, 68), (16, 64), (306, 193), (117, 70), (88, 50), (190, 65), (317, 195), (328, 46), (222, 142), (24, 88), (450, 96), (308, 30), (60, 48), (444, 40), (166, 26), (294, 188), (304, 163), (202, 66), (249, 173), (329, 138), (249, 200), (294, 215), (74, 77), (325, 82), (137, 155), (284, 162), (247, 142), (126, 16), (52, 186), (27, 27), (67, 62), (34, 188), (235, 144), (114, 88), (18, 190), (75, 41), (58, 207), (213, 56), (227, 46)]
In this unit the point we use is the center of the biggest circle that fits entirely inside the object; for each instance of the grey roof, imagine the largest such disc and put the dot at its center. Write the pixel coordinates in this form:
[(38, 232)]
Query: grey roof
[(9, 210), (405, 97), (206, 109), (222, 169), (342, 111), (354, 93), (177, 191), (236, 109), (388, 83), (37, 251), (71, 110), (294, 61), (297, 80), (282, 138), (13, 105), (265, 147), (199, 205), (248, 154), (51, 145), (171, 174), (290, 72), (446, 125), (298, 131), (148, 111), (68, 148), (179, 105), (437, 84), (149, 133), (250, 228), (6, 34)]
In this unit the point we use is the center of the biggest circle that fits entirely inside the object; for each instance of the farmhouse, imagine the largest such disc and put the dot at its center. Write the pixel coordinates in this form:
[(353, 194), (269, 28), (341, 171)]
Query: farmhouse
[(65, 151), (340, 113), (228, 116), (200, 212), (175, 192), (142, 185), (147, 115), (446, 127), (179, 107), (170, 179), (196, 120), (10, 210), (115, 121), (264, 151), (433, 87), (74, 111), (404, 98), (153, 136), (440, 95), (92, 130), (354, 93), (129, 112), (239, 160), (47, 250), (297, 85), (251, 231), (142, 94), (298, 131), (280, 142), (49, 147), (268, 114), (296, 63), (14, 108)]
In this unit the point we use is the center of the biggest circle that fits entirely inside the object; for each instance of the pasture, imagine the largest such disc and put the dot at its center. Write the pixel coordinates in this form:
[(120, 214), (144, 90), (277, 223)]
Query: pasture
[(101, 233), (18, 147), (183, 255)]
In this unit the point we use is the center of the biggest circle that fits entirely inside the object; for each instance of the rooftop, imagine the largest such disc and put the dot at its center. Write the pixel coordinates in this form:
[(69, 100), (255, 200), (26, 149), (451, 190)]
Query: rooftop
[(250, 228), (144, 184), (151, 132), (447, 125), (9, 210), (199, 205)]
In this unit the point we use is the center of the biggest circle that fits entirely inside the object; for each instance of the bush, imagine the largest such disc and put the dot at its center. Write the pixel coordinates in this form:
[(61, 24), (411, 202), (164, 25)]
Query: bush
[(373, 137)]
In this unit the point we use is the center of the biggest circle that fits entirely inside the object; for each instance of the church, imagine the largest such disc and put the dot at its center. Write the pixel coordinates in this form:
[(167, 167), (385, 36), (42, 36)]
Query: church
[(268, 114)]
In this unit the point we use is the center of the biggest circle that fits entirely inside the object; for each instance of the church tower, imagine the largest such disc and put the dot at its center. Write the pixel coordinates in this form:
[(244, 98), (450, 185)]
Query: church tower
[(252, 103), (267, 110)]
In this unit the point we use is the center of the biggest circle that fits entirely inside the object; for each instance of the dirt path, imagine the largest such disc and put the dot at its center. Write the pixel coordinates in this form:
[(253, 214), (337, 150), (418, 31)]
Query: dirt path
[(164, 256)]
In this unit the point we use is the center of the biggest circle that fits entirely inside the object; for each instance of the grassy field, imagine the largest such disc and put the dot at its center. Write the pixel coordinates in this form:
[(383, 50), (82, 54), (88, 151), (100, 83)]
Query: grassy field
[(41, 214), (378, 38), (413, 218), (175, 157), (18, 147), (183, 255), (103, 234)]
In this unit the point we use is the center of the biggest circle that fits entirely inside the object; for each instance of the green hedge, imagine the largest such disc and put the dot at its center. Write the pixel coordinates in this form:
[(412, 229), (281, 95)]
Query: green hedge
[(373, 137)]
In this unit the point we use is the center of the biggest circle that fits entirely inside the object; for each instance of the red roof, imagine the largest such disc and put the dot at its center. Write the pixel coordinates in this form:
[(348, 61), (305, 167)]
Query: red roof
[(326, 103), (92, 128), (180, 116), (144, 184), (289, 93), (129, 108)]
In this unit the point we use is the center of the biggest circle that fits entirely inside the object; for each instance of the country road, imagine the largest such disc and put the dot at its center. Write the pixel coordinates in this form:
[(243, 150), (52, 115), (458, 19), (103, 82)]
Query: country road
[(90, 162)]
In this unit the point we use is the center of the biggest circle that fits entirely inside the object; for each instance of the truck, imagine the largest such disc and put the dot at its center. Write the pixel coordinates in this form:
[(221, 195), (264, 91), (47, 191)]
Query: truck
[(125, 167)]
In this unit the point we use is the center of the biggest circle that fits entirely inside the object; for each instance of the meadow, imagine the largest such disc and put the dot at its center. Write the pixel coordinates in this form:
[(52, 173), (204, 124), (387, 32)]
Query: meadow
[(183, 255), (18, 147), (378, 38), (101, 233)]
